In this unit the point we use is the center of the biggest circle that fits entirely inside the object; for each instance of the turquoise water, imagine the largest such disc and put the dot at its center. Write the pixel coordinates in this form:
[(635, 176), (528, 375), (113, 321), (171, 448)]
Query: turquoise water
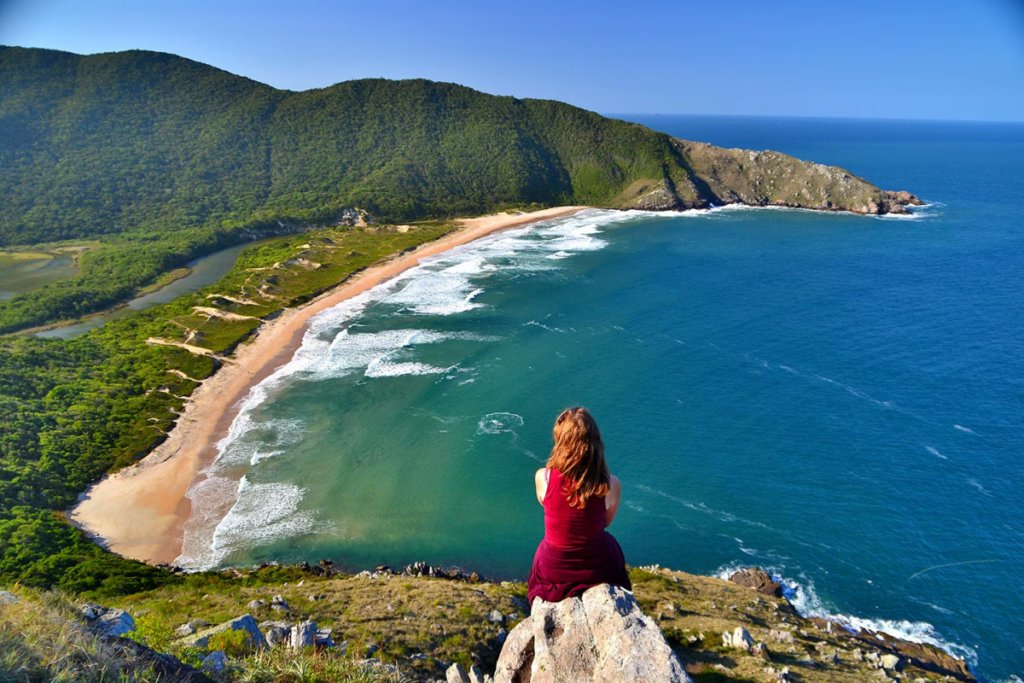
[(204, 272), (837, 398)]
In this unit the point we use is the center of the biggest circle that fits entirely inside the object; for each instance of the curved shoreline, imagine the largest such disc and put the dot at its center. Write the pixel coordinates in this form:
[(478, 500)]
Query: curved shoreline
[(139, 512)]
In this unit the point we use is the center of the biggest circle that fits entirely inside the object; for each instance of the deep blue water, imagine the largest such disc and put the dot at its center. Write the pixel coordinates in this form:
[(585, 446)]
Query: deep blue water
[(837, 398)]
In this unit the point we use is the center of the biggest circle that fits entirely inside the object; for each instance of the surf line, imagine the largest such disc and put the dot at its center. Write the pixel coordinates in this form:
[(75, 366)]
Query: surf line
[(951, 564)]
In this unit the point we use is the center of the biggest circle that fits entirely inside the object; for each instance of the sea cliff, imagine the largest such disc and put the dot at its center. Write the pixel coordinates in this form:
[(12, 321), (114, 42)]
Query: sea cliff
[(415, 623)]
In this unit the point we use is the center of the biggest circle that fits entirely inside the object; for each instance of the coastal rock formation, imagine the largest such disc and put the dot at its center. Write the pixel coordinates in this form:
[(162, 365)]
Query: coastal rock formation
[(601, 636), (923, 657), (759, 580), (715, 176)]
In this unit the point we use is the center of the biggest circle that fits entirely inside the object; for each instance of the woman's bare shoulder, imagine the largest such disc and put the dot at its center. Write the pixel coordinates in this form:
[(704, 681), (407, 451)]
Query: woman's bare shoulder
[(540, 474)]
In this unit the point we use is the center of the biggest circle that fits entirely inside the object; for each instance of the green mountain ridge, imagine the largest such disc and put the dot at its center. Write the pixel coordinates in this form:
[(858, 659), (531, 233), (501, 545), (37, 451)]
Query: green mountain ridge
[(165, 159)]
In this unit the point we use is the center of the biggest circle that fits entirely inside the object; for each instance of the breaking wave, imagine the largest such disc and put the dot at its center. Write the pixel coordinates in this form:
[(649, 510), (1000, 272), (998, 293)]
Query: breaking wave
[(804, 598), (230, 512)]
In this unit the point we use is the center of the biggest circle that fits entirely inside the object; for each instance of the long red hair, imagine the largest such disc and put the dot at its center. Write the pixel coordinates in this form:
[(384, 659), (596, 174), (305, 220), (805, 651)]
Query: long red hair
[(579, 455)]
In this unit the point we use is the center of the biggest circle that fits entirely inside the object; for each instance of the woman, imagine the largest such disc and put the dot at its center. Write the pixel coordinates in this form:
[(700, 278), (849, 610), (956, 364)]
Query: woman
[(580, 499)]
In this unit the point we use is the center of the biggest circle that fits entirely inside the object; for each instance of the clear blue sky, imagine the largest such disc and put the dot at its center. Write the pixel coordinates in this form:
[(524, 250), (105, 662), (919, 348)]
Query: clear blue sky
[(935, 59)]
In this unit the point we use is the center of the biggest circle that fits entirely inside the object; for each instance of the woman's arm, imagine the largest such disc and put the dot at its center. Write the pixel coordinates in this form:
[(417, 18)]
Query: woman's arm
[(611, 501), (540, 480)]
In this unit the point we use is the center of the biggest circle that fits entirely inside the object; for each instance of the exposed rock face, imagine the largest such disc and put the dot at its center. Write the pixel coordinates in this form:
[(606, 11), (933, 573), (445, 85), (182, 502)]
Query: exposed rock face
[(164, 666), (905, 198), (244, 623), (215, 662), (303, 635), (601, 636), (718, 176), (276, 632), (759, 580), (738, 638), (923, 657), (114, 622)]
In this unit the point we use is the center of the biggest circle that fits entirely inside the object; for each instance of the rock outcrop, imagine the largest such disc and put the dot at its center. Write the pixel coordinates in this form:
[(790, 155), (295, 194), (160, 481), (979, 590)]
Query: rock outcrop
[(245, 623), (601, 636), (113, 623), (759, 580), (708, 175)]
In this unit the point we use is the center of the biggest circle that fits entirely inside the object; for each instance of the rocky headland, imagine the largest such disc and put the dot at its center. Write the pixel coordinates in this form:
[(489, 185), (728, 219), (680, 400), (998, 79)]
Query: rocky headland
[(425, 623), (716, 176)]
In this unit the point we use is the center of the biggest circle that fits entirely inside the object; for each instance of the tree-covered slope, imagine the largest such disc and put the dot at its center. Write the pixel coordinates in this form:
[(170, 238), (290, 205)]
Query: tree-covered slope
[(128, 141), (164, 158)]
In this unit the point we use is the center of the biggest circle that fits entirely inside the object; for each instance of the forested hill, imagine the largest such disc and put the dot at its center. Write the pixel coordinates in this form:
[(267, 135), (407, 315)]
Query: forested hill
[(135, 141), (181, 157)]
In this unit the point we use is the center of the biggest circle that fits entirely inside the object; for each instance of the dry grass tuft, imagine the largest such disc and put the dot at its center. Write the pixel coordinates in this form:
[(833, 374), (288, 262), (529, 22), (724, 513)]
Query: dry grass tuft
[(43, 639)]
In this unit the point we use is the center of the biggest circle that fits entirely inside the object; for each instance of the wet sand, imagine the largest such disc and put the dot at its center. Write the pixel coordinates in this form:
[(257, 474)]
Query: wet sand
[(140, 511)]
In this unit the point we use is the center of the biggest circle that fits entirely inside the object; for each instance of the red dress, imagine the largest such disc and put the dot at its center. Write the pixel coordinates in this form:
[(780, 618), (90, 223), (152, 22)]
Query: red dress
[(576, 553)]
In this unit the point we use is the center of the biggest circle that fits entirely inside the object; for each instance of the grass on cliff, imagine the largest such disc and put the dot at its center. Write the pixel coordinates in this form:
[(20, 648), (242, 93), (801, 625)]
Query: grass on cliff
[(42, 639), (420, 625)]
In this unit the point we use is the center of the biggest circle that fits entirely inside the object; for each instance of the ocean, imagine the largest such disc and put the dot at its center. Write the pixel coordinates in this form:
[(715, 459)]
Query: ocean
[(836, 398)]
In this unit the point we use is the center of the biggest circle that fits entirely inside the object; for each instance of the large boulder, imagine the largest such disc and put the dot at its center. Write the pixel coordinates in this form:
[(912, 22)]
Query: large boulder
[(303, 635), (602, 636), (245, 623), (215, 662), (759, 580), (738, 638), (276, 632), (114, 622)]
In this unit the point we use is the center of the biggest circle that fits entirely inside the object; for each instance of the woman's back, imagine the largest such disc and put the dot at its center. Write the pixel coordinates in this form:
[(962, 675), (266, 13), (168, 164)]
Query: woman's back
[(566, 526), (580, 498)]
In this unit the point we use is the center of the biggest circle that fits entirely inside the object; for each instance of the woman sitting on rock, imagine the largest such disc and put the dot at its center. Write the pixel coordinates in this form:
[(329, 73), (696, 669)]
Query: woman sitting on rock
[(580, 499)]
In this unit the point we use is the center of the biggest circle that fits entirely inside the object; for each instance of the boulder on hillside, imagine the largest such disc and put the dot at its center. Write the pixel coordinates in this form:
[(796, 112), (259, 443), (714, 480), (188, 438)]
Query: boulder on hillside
[(114, 622), (276, 632), (303, 635), (137, 657), (243, 623), (759, 580), (215, 662), (601, 636), (738, 638)]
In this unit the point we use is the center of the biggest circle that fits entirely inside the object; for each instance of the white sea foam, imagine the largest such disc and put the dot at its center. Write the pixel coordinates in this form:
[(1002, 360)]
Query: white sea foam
[(804, 598), (383, 368), (499, 423), (935, 452), (334, 346), (964, 429)]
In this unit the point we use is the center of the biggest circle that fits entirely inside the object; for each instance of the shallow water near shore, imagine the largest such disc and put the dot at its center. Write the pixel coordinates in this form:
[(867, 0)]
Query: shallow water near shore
[(837, 398)]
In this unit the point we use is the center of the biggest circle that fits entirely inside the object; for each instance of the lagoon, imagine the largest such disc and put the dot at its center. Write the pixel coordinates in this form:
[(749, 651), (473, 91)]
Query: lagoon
[(24, 271), (203, 272)]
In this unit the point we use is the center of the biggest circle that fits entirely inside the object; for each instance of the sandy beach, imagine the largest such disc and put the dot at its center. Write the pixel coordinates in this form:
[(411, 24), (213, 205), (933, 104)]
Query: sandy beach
[(140, 511)]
